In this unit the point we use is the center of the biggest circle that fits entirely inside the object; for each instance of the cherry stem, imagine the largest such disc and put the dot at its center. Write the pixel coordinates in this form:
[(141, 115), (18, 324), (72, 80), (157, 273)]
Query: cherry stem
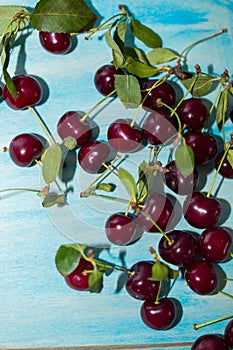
[(96, 105), (158, 293), (20, 189), (226, 294), (173, 112), (113, 267), (217, 171), (103, 25), (189, 47), (197, 326), (109, 168), (158, 228), (92, 194), (42, 124)]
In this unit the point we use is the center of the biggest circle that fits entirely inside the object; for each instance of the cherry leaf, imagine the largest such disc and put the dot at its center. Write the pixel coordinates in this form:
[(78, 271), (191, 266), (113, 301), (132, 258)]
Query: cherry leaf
[(199, 88), (145, 34), (230, 157), (96, 281), (116, 51), (160, 55), (128, 90), (184, 159), (160, 272), (105, 187), (13, 18), (67, 257), (52, 199), (7, 42), (222, 109), (69, 142), (121, 30), (66, 16), (136, 54), (140, 69), (128, 182), (146, 180), (51, 159)]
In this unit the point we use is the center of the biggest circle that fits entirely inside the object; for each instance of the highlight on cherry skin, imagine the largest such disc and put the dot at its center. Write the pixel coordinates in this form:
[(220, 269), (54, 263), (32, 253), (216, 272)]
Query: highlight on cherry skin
[(56, 43), (29, 92), (25, 148)]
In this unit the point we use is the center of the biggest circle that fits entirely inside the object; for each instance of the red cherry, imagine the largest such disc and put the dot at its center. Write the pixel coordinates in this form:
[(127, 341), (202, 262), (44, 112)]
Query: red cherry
[(104, 79), (228, 334), (77, 279), (210, 342), (29, 92), (193, 113), (25, 148), (57, 43), (226, 169)]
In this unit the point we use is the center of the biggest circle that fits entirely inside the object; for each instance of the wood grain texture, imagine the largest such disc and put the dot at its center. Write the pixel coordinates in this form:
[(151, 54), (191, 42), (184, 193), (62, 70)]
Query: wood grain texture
[(37, 310)]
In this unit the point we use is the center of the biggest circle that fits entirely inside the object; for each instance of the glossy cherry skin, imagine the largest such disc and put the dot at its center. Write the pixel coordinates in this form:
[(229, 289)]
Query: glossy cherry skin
[(25, 148), (159, 128), (104, 79), (123, 137), (181, 251), (228, 334), (138, 285), (193, 113), (163, 91), (29, 92), (92, 155), (159, 316), (70, 124), (177, 182), (201, 277), (214, 244), (210, 342), (78, 279), (158, 208), (200, 211), (226, 169), (57, 43), (204, 146), (121, 229)]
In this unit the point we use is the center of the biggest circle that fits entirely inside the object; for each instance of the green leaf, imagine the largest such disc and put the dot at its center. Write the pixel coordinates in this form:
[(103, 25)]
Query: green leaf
[(230, 157), (67, 16), (52, 199), (146, 180), (184, 159), (160, 55), (128, 90), (105, 187), (145, 34), (96, 281), (67, 257), (160, 271), (69, 142), (121, 30), (116, 51), (222, 109), (51, 159), (13, 18), (140, 69), (7, 43), (201, 87), (128, 182), (136, 54)]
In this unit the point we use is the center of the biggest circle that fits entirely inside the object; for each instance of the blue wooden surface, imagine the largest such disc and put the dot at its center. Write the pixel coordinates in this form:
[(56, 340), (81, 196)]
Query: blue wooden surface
[(37, 309)]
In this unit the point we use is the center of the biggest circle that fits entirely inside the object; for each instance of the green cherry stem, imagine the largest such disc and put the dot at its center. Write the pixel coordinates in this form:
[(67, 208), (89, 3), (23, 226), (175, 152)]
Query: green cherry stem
[(20, 189), (200, 325), (113, 267), (159, 101), (226, 294), (217, 171), (97, 105), (189, 47), (92, 194), (42, 124)]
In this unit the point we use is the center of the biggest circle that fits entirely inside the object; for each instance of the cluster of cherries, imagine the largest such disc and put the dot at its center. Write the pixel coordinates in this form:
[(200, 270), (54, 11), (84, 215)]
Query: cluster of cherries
[(196, 254)]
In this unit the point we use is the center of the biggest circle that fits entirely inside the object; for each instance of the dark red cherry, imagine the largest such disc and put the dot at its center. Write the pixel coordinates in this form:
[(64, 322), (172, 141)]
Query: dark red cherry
[(214, 244), (181, 251), (78, 279), (57, 43), (25, 148), (29, 92), (93, 154), (210, 342), (163, 91), (138, 284), (226, 169), (177, 182), (204, 146), (159, 316), (123, 137), (159, 209), (159, 128), (200, 211), (104, 79), (201, 277), (193, 113), (70, 124), (228, 334), (121, 229)]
